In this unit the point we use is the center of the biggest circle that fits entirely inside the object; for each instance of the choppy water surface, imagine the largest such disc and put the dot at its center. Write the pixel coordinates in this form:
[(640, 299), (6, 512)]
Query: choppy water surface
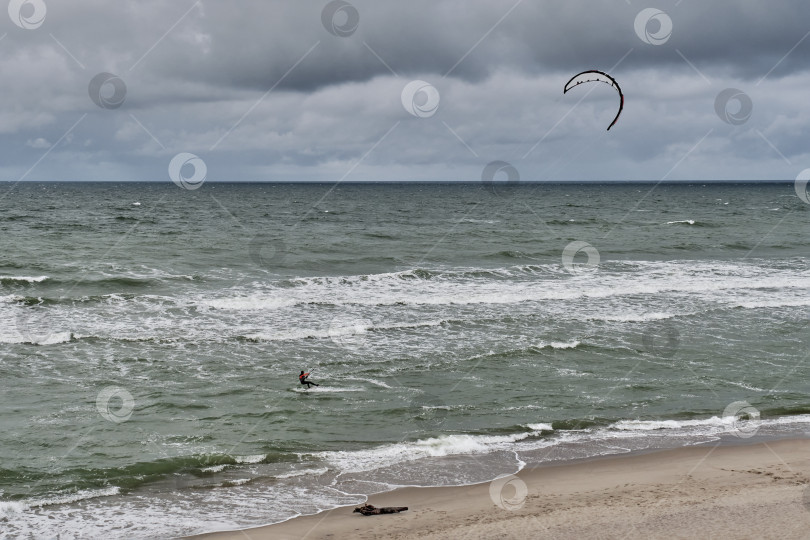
[(152, 339)]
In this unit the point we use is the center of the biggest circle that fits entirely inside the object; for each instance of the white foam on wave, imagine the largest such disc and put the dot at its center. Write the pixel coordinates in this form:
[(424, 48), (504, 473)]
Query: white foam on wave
[(237, 482), (702, 426), (410, 275), (68, 498), (289, 335), (652, 425), (773, 303), (238, 504), (25, 279), (307, 472), (9, 510), (337, 331), (252, 303), (50, 339), (406, 325), (568, 372), (442, 446), (620, 432), (328, 389), (687, 221), (523, 407), (638, 317), (146, 273), (487, 221), (695, 286), (56, 337), (559, 344), (540, 427), (747, 386), (257, 458), (787, 420), (709, 280), (627, 435)]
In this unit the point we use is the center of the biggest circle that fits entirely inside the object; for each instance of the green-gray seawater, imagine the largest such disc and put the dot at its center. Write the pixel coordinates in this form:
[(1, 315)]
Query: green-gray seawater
[(152, 339)]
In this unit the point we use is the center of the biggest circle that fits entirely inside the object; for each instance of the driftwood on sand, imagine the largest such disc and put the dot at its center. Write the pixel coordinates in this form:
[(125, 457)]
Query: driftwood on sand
[(370, 510)]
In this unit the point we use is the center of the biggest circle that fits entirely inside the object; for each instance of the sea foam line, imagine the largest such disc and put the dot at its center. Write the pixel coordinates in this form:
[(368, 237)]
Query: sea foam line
[(24, 279)]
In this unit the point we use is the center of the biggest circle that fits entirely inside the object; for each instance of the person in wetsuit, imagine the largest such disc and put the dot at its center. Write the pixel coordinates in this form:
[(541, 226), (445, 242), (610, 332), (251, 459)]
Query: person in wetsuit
[(303, 380)]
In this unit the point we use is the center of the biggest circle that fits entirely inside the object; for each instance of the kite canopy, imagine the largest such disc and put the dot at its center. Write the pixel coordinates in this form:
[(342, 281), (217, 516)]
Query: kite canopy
[(593, 75)]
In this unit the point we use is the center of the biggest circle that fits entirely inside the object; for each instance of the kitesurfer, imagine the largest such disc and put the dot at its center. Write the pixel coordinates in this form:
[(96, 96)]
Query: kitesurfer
[(303, 380)]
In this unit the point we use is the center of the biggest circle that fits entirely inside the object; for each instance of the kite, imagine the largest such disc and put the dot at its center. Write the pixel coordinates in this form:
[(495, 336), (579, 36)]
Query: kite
[(594, 75)]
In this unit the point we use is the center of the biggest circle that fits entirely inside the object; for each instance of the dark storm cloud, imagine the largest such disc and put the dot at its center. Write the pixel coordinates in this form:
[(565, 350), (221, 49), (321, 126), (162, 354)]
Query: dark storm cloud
[(254, 45), (196, 77)]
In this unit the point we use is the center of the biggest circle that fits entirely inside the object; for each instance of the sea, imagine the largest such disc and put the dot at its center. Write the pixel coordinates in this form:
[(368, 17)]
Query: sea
[(152, 339)]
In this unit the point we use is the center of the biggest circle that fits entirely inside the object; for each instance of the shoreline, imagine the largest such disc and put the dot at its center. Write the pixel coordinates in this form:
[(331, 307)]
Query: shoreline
[(732, 491)]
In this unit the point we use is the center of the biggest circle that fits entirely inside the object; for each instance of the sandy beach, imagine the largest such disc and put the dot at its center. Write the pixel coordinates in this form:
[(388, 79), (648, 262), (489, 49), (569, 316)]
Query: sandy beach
[(752, 491)]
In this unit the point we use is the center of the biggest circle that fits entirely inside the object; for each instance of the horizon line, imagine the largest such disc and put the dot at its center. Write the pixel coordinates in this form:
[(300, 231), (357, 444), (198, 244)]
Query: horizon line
[(399, 182)]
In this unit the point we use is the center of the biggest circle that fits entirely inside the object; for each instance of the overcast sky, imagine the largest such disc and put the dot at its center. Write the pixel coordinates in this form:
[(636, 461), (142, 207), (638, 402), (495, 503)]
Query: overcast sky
[(284, 90)]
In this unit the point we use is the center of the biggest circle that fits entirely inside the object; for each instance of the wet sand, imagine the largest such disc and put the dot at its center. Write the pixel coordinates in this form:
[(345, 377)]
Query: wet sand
[(753, 491)]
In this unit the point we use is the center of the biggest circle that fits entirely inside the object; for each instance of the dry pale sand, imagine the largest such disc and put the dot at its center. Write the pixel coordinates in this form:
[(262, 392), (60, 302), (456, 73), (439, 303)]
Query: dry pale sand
[(755, 491)]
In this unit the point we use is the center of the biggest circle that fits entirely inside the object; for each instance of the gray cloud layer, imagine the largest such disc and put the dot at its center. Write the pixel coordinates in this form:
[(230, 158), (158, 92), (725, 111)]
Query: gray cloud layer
[(197, 78)]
